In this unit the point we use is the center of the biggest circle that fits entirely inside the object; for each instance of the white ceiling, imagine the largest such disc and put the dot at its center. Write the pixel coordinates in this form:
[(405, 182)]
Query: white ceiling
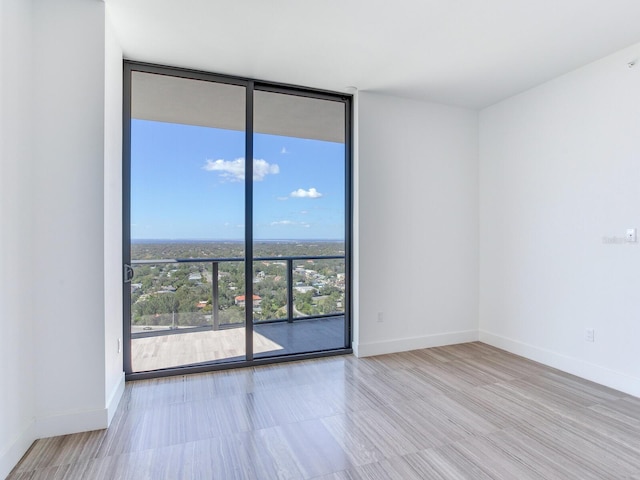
[(470, 53)]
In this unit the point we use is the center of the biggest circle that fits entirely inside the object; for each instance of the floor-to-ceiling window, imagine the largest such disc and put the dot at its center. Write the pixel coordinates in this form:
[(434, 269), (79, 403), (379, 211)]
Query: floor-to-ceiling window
[(229, 261)]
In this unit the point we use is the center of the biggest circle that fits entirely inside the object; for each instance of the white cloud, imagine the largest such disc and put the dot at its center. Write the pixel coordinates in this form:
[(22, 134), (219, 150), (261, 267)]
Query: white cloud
[(284, 151), (283, 222), (302, 193), (262, 168), (228, 168), (282, 199), (234, 169), (290, 223)]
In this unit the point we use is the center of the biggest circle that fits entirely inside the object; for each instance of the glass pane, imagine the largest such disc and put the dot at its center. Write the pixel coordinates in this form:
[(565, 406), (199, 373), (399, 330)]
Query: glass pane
[(318, 287), (187, 222), (270, 289), (298, 221)]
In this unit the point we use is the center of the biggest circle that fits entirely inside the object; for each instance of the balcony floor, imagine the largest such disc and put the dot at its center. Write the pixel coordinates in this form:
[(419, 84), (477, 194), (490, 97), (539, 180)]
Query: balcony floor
[(272, 339)]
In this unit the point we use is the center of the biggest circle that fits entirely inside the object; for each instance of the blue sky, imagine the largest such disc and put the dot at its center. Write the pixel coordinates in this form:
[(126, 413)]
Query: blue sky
[(187, 183)]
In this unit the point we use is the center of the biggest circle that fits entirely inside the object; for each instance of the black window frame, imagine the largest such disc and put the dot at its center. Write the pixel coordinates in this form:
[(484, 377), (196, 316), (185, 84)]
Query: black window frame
[(251, 85)]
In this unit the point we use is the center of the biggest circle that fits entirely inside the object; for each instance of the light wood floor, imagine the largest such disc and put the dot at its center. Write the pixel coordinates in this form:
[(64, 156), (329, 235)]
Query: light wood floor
[(461, 412)]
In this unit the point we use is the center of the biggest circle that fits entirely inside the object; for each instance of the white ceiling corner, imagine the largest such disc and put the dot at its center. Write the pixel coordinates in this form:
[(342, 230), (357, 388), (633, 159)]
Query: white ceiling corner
[(457, 52)]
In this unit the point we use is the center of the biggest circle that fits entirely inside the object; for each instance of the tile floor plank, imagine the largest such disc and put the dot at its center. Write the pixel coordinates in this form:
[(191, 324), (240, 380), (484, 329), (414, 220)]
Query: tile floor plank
[(467, 411)]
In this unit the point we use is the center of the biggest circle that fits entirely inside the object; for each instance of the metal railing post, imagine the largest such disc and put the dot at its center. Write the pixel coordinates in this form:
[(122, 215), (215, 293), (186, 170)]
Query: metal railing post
[(215, 301), (289, 290)]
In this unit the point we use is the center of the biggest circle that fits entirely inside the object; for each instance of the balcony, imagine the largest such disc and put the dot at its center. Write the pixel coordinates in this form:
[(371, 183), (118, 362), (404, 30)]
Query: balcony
[(192, 311)]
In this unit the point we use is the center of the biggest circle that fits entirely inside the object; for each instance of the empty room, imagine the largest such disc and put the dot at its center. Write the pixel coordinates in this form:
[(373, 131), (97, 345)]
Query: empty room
[(427, 270)]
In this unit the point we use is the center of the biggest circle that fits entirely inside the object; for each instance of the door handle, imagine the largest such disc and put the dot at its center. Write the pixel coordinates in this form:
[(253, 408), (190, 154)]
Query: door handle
[(128, 273)]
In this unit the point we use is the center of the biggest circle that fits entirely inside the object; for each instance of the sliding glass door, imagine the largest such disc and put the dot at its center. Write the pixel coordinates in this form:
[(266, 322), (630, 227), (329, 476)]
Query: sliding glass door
[(298, 224), (228, 261)]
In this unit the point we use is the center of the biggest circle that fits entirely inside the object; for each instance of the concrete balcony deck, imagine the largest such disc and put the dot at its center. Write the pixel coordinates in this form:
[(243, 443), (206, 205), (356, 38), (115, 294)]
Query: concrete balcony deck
[(184, 347)]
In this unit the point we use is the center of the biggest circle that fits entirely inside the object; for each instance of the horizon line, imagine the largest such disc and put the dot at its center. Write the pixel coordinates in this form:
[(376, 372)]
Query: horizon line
[(291, 240)]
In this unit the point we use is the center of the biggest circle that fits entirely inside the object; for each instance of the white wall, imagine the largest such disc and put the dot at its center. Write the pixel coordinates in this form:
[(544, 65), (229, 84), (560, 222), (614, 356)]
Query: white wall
[(60, 181), (417, 220), (560, 170), (17, 271), (114, 375), (69, 223)]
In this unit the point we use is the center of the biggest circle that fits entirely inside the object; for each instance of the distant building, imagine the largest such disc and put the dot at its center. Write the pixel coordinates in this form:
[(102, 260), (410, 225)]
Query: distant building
[(240, 300), (305, 289)]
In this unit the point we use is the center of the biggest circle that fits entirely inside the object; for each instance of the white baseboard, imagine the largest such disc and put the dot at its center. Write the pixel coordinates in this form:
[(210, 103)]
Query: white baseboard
[(63, 424), (13, 452), (114, 399), (595, 373), (72, 422), (414, 343), (83, 421)]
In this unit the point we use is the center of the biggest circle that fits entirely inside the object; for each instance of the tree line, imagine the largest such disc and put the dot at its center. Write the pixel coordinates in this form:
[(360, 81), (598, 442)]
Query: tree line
[(180, 294)]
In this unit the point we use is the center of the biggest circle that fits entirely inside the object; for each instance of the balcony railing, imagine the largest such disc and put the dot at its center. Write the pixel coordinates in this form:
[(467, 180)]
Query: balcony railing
[(215, 322)]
